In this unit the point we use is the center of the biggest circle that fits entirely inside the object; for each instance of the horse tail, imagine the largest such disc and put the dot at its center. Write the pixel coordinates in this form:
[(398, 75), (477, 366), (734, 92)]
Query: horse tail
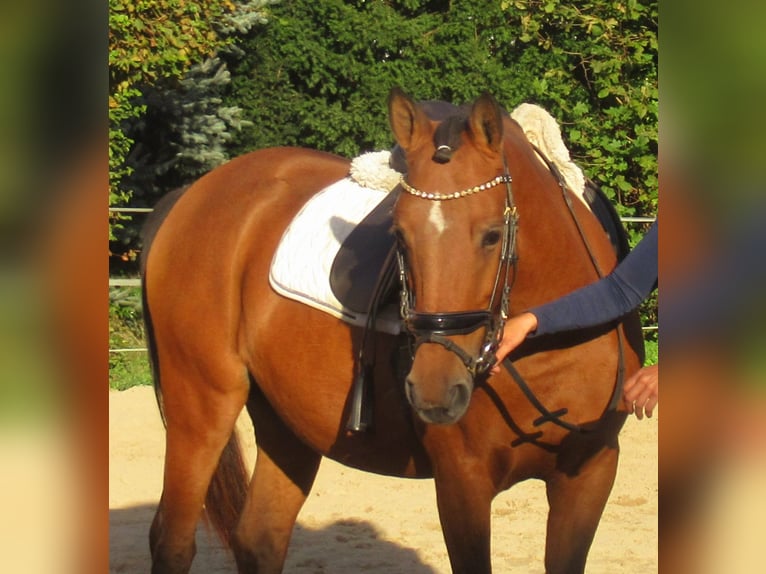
[(227, 491), (228, 487)]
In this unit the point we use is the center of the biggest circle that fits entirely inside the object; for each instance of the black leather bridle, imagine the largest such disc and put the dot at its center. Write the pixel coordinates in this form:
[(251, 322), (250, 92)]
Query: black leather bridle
[(438, 327)]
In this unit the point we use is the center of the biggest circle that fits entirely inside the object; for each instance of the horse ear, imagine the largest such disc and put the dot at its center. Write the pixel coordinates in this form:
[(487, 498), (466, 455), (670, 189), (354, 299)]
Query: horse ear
[(486, 123), (408, 121)]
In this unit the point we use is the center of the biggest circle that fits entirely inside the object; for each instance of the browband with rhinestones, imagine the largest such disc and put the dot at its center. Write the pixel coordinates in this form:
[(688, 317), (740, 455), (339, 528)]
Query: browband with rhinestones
[(466, 192)]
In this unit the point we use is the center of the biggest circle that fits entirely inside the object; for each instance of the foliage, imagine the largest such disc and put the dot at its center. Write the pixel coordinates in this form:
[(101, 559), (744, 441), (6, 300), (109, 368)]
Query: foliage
[(181, 134), (121, 110), (129, 370), (318, 75), (126, 332), (164, 107), (611, 50), (652, 350), (150, 41)]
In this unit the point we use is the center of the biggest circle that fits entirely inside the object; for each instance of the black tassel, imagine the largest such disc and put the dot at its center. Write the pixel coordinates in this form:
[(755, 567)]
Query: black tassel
[(361, 408)]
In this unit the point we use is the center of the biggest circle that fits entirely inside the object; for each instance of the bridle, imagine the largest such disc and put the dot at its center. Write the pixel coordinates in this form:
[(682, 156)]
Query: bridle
[(438, 327)]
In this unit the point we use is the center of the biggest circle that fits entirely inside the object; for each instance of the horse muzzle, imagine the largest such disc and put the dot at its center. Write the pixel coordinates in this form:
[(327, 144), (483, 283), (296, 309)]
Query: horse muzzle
[(437, 388), (445, 408)]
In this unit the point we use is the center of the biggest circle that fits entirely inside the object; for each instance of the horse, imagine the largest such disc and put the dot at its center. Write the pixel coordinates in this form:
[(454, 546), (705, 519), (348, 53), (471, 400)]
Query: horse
[(483, 229)]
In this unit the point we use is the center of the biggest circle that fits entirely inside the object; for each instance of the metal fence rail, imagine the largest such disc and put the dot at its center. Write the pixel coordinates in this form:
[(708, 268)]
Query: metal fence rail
[(135, 282)]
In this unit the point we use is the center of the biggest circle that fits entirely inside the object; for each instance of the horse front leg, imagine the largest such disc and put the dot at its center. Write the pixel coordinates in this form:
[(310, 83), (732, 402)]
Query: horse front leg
[(577, 495), (465, 521), (464, 494)]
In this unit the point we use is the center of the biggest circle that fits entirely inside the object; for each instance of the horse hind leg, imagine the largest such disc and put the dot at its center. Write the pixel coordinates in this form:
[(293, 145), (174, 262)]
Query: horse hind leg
[(577, 498), (285, 469), (200, 412)]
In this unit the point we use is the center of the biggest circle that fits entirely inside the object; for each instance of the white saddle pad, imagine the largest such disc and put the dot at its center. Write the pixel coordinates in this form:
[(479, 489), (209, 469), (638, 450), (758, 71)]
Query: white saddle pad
[(300, 268)]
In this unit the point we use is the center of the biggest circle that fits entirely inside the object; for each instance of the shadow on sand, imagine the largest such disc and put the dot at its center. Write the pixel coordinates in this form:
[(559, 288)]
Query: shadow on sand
[(343, 547)]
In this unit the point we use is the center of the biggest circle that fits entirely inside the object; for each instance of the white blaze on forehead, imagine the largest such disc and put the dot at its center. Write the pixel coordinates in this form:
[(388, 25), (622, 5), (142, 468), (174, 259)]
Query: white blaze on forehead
[(436, 217)]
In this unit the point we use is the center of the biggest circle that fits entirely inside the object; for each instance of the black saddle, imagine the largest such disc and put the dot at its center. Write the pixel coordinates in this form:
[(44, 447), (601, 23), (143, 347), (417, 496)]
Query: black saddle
[(362, 257)]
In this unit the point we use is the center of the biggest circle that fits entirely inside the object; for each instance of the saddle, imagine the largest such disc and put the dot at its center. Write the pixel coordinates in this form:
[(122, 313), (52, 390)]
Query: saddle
[(360, 264)]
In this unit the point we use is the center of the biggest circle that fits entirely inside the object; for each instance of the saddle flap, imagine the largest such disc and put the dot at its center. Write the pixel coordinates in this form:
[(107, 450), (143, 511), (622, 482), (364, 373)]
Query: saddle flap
[(362, 256)]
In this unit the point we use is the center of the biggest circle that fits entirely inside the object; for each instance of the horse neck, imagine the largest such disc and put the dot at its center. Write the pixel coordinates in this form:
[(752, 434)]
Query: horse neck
[(552, 256)]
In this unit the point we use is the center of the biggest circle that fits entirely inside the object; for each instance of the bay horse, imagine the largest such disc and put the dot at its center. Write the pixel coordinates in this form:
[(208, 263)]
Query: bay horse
[(483, 231)]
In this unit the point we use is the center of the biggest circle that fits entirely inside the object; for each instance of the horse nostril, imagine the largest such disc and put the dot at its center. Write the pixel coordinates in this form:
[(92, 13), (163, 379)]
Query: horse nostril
[(445, 408), (460, 394)]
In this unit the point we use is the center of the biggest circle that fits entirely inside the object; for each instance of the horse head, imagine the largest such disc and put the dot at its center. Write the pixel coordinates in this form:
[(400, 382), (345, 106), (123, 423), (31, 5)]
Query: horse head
[(455, 226)]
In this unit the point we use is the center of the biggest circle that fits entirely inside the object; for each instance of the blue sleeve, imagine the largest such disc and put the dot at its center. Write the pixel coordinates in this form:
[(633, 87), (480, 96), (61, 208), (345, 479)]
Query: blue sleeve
[(608, 299)]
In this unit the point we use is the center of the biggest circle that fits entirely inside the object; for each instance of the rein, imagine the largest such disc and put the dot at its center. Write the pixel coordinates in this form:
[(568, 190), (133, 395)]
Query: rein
[(620, 382), (437, 327)]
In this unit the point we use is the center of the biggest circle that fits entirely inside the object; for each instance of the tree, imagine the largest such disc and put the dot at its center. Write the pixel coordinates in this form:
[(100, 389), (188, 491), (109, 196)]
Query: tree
[(168, 123), (318, 76), (146, 46)]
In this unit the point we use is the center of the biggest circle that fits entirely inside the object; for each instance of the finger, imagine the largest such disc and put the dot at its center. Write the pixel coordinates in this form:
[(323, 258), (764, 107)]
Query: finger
[(502, 351), (650, 404), (644, 396), (639, 411), (633, 393), (649, 394), (633, 386), (640, 390), (629, 384)]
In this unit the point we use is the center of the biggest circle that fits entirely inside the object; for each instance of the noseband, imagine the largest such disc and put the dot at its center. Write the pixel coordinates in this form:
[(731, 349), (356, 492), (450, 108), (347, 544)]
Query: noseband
[(438, 327)]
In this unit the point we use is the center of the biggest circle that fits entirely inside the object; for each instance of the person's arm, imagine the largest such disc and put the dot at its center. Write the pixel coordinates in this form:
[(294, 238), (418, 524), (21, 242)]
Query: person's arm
[(601, 302), (608, 299)]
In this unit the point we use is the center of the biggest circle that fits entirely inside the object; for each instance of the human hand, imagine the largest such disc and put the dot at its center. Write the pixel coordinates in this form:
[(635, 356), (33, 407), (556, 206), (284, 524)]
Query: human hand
[(641, 391), (515, 331)]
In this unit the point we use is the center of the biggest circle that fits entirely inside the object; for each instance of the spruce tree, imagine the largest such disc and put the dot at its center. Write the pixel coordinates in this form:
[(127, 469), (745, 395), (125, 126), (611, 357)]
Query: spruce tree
[(185, 125)]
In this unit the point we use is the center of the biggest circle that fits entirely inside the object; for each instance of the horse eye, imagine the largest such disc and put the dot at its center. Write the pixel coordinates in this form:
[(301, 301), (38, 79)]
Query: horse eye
[(490, 238)]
